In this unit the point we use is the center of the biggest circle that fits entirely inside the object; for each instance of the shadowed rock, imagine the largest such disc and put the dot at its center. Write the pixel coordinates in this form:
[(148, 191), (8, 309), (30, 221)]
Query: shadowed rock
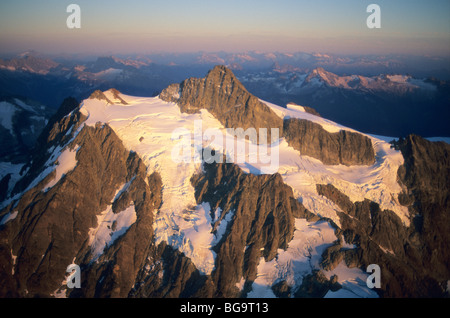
[(224, 96)]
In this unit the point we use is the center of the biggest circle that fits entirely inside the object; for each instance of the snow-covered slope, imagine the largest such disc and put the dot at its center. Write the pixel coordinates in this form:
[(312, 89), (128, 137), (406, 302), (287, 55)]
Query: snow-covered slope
[(377, 182), (153, 129)]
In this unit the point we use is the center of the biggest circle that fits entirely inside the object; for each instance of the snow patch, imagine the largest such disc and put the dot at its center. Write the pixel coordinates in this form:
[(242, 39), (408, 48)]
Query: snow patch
[(240, 284), (221, 229), (296, 111), (7, 112), (66, 162), (9, 217), (301, 257), (14, 259), (25, 106), (353, 281), (377, 182), (110, 227), (197, 237)]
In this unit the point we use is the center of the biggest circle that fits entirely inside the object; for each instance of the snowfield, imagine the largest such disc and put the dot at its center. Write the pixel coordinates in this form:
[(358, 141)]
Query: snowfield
[(147, 125), (110, 227), (66, 162)]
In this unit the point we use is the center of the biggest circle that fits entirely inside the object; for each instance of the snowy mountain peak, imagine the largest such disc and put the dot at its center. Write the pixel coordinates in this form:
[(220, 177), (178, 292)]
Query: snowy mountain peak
[(109, 191), (319, 75), (29, 62)]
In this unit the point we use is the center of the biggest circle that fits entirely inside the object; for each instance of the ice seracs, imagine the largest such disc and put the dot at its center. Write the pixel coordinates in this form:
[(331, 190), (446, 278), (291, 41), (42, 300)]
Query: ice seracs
[(145, 125)]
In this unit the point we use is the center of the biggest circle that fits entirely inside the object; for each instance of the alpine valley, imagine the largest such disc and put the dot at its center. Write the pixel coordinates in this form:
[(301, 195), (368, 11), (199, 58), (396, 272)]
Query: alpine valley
[(101, 189)]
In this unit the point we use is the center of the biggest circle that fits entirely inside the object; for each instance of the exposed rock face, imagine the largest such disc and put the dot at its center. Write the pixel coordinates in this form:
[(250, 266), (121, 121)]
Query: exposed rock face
[(316, 285), (169, 274), (100, 96), (414, 259), (59, 131), (262, 211), (52, 226), (221, 93), (343, 147), (425, 174)]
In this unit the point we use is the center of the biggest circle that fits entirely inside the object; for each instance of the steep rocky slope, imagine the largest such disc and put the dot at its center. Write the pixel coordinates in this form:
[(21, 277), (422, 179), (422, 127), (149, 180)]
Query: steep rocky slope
[(222, 94), (259, 214), (104, 191), (226, 98), (414, 259), (344, 147)]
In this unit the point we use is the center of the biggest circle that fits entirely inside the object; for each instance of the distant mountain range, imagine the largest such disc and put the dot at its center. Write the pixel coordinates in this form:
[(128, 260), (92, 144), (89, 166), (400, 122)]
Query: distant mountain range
[(387, 95), (390, 105)]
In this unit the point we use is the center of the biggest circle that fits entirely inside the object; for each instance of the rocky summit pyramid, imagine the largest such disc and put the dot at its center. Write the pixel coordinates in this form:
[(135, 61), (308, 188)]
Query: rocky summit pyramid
[(224, 96), (105, 190)]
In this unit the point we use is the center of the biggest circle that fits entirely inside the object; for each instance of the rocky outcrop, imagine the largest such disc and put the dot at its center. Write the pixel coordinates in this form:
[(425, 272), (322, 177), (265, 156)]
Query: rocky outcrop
[(224, 96), (316, 285), (344, 147), (262, 212), (425, 175), (52, 226), (169, 274), (414, 259), (58, 132), (115, 94), (98, 94)]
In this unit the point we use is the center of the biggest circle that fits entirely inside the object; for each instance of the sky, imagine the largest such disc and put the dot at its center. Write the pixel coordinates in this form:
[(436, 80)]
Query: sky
[(146, 26)]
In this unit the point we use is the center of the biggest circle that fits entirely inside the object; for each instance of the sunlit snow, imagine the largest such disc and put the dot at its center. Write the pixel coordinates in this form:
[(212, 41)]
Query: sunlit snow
[(147, 125), (66, 162), (110, 227)]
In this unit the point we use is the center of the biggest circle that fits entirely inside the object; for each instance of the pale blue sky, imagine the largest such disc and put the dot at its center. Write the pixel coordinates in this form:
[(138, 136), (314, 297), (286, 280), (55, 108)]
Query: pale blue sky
[(133, 26)]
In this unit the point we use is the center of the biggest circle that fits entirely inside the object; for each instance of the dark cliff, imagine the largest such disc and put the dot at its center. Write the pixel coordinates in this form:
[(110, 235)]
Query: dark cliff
[(414, 260), (222, 94), (344, 147)]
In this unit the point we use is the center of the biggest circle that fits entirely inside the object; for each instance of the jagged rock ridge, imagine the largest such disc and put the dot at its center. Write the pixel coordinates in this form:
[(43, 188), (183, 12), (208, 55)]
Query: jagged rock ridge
[(221, 93), (263, 209), (413, 260), (344, 147)]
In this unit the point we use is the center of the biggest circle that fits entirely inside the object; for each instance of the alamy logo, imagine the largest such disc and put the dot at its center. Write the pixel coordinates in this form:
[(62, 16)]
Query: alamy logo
[(74, 278), (374, 280), (73, 20), (238, 146), (374, 20)]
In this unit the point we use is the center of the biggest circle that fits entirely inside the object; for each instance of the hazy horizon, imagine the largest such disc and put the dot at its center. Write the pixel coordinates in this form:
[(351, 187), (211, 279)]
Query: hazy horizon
[(148, 27)]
